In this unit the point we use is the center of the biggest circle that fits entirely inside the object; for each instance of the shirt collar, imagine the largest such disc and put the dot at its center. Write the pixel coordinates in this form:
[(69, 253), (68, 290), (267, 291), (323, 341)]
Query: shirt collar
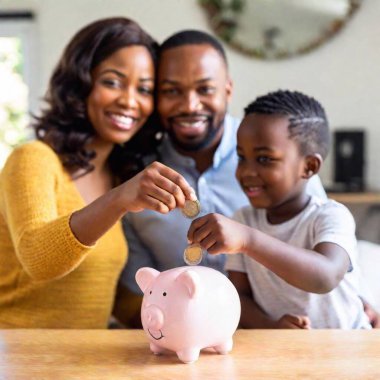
[(228, 142)]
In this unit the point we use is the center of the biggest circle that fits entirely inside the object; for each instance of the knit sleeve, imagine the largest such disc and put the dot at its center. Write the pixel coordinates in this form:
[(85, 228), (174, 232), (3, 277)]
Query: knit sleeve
[(43, 241)]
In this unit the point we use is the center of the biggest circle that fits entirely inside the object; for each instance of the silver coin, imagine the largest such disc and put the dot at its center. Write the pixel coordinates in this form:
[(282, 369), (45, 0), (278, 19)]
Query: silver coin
[(191, 209), (193, 254)]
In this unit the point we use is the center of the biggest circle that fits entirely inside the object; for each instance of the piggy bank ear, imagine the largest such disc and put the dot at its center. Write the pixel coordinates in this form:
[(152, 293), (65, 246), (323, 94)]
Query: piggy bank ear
[(145, 276), (191, 280)]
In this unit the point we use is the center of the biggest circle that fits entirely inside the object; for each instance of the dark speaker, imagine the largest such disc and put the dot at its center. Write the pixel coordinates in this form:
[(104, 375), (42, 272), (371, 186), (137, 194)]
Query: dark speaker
[(349, 162)]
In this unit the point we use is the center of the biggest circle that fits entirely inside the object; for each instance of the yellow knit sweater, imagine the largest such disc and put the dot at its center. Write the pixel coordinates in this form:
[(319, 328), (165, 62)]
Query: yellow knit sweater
[(48, 279)]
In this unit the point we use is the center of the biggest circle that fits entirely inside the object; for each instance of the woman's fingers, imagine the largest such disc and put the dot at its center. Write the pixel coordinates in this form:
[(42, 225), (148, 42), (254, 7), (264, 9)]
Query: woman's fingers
[(168, 186), (156, 205), (158, 188), (167, 192), (178, 179)]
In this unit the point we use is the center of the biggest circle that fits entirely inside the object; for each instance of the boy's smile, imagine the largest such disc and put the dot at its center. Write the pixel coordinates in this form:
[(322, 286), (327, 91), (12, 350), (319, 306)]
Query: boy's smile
[(271, 167)]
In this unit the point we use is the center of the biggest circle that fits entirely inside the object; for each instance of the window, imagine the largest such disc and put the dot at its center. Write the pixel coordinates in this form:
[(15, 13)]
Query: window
[(17, 63)]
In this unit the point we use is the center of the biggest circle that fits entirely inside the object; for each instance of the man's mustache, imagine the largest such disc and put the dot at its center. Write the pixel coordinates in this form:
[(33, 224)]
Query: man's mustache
[(189, 116)]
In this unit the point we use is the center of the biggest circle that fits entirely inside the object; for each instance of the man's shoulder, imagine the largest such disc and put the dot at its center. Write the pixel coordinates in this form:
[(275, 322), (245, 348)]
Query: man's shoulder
[(231, 122)]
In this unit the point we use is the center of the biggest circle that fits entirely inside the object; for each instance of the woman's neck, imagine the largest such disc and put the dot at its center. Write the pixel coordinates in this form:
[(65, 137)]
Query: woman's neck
[(102, 151)]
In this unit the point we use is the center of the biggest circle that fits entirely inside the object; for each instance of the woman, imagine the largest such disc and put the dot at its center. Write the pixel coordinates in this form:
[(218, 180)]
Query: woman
[(61, 197)]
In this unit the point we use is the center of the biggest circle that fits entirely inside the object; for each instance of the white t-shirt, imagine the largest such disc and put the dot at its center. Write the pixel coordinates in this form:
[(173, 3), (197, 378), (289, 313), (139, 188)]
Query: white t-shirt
[(321, 221)]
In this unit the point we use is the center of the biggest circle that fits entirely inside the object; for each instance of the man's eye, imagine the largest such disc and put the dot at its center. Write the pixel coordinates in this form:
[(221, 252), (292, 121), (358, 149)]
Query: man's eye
[(146, 90), (206, 90), (169, 91)]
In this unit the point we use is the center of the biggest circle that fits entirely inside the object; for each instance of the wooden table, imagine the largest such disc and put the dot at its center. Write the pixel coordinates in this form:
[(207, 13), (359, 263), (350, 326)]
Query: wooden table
[(123, 354), (364, 198)]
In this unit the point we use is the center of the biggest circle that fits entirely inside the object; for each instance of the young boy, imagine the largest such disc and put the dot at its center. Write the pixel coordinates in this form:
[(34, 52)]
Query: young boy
[(292, 255)]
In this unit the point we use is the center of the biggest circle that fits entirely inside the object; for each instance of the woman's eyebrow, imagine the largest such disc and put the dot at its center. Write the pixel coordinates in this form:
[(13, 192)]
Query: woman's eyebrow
[(114, 71), (122, 75)]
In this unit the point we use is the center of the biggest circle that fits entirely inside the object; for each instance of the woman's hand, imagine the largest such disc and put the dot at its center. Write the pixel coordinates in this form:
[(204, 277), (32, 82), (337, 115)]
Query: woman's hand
[(157, 188), (289, 321), (218, 234)]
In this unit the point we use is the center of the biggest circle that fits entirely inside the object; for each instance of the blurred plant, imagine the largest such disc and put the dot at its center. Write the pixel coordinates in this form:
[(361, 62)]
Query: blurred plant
[(13, 96)]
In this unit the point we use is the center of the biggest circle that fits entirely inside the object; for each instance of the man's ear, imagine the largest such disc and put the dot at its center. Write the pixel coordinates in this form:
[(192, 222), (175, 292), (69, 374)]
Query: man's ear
[(313, 164), (229, 89)]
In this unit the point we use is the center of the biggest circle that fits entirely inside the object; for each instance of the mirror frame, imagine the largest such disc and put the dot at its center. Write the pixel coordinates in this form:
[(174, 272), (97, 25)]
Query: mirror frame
[(225, 28)]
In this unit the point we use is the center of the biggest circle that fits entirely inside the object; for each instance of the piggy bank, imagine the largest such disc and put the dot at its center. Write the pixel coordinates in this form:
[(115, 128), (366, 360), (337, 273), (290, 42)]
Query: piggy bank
[(187, 309)]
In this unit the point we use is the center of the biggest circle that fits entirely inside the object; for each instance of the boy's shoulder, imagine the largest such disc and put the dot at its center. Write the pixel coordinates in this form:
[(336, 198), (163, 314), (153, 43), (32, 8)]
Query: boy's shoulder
[(318, 209), (246, 214), (320, 205), (329, 210)]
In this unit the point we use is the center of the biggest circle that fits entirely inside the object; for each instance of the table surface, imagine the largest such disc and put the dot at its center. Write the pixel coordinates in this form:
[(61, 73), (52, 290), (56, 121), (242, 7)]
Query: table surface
[(124, 354), (356, 198)]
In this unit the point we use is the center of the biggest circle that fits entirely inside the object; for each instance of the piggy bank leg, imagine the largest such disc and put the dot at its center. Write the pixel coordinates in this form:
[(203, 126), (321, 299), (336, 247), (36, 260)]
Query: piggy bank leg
[(188, 355), (225, 347), (156, 349)]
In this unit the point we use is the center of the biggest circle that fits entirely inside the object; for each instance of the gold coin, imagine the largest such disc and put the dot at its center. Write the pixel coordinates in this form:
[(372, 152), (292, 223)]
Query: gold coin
[(193, 254), (191, 209)]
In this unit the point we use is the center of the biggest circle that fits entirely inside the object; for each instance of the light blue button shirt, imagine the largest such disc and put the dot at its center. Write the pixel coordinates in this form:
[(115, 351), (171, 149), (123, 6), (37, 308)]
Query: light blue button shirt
[(157, 240)]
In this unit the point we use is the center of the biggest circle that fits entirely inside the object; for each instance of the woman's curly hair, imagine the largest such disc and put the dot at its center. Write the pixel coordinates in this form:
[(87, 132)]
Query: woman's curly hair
[(64, 125)]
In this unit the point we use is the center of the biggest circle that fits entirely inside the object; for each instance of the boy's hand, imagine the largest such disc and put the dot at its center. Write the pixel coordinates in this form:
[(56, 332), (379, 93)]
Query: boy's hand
[(289, 321), (218, 234), (373, 315)]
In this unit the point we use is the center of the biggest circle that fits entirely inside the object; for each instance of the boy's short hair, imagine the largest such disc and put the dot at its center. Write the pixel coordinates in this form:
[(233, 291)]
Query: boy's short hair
[(193, 37), (307, 118)]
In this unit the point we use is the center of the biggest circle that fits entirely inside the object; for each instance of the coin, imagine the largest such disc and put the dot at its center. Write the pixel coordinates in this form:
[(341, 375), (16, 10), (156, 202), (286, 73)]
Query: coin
[(191, 209), (193, 254)]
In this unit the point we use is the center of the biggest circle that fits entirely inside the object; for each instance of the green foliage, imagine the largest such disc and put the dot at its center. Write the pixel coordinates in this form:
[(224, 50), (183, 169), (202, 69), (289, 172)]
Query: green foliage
[(13, 94)]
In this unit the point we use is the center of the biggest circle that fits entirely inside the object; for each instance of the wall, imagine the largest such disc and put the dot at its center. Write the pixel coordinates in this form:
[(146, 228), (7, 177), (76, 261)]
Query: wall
[(343, 74)]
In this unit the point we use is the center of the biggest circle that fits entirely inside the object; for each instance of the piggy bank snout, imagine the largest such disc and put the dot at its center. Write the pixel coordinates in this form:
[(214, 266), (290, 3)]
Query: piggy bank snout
[(153, 317)]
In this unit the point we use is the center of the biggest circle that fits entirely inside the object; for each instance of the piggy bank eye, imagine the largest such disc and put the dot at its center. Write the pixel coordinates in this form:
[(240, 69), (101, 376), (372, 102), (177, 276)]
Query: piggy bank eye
[(164, 294), (150, 292)]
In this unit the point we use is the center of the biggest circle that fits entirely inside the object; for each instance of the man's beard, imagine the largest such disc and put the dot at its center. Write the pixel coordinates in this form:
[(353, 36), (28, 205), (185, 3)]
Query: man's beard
[(189, 146)]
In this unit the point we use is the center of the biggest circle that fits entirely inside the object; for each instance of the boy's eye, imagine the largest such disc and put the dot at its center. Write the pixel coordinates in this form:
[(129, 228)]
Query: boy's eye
[(264, 160), (240, 157)]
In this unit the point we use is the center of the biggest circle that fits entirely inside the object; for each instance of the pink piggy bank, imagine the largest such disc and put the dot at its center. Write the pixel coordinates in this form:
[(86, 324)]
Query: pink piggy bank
[(187, 309)]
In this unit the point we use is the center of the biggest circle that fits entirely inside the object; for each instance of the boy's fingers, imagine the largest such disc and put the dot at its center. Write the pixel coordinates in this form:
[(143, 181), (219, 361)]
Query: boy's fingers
[(194, 226)]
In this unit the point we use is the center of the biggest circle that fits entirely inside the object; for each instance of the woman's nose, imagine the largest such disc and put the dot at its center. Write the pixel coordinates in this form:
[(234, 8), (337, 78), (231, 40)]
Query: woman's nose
[(127, 98)]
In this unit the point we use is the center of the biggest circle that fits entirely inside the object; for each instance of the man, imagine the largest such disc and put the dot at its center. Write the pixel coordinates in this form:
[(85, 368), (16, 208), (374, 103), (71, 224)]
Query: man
[(193, 89)]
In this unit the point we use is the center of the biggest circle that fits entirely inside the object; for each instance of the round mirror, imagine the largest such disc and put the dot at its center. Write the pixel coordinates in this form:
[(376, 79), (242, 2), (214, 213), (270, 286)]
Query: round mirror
[(274, 29)]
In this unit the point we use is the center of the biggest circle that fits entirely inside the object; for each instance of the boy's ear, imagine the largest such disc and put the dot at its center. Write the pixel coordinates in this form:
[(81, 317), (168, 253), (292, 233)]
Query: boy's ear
[(312, 166), (229, 89)]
